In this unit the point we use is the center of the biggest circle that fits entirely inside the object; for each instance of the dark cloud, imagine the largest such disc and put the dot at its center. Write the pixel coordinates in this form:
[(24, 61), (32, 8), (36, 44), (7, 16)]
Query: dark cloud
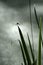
[(16, 3), (37, 1)]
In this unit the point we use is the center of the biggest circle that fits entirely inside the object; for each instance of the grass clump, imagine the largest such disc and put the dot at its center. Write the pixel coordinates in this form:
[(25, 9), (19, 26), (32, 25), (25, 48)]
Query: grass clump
[(25, 47), (25, 53)]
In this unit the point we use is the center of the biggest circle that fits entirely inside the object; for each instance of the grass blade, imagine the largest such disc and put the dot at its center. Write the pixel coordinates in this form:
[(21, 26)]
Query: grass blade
[(24, 46), (37, 22), (33, 57), (31, 22), (39, 48), (22, 52), (35, 62), (36, 17)]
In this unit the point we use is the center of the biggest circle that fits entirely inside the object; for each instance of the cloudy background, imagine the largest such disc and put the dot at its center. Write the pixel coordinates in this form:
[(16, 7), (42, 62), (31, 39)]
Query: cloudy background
[(11, 12)]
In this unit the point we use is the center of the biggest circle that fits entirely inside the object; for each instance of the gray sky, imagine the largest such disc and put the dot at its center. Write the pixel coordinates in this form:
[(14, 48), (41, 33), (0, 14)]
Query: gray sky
[(11, 12)]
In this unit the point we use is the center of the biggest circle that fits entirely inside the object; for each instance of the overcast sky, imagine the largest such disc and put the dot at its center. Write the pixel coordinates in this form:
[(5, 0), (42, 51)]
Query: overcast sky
[(11, 12)]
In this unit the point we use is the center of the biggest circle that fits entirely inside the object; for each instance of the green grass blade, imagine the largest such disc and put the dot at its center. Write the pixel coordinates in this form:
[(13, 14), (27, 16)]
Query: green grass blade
[(22, 52), (35, 62), (33, 57), (39, 48), (24, 46), (37, 22), (36, 17)]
